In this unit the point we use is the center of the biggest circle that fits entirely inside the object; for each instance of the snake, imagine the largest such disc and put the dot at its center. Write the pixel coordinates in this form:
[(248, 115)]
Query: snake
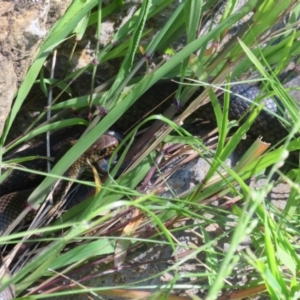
[(241, 99), (12, 204)]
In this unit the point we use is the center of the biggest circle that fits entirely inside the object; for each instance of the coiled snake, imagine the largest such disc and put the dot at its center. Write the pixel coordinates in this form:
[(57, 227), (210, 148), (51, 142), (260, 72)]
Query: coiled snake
[(266, 125)]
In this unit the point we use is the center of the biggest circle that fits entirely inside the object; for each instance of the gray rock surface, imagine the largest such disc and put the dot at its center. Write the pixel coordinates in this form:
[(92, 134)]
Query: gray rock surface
[(23, 27)]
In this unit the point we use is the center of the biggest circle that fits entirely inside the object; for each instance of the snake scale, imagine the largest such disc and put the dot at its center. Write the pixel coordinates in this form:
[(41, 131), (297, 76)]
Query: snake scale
[(12, 201)]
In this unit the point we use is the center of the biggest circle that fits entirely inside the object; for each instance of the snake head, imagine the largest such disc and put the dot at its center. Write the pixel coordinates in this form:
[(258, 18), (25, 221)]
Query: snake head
[(103, 147)]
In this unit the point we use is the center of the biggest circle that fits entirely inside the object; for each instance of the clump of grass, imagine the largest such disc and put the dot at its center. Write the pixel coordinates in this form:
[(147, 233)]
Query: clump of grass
[(272, 262)]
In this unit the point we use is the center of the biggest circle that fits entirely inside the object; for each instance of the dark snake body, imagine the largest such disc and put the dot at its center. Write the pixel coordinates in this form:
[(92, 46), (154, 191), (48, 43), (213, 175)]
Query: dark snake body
[(266, 125)]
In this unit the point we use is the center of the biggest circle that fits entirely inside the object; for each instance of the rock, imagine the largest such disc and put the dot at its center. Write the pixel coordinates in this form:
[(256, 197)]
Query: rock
[(24, 25)]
